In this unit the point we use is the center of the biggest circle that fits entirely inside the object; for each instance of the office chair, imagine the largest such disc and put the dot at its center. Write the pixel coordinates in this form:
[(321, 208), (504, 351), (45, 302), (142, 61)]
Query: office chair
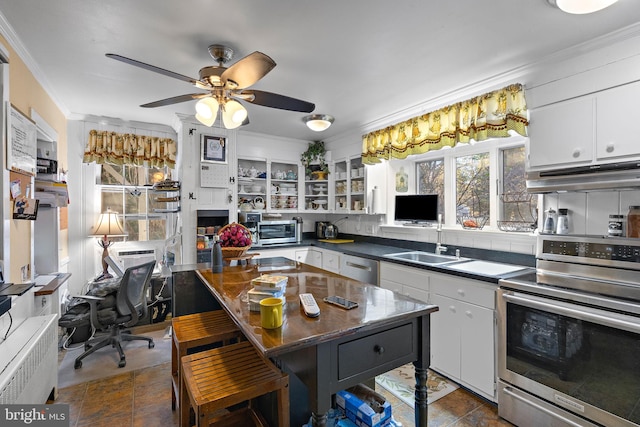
[(130, 307)]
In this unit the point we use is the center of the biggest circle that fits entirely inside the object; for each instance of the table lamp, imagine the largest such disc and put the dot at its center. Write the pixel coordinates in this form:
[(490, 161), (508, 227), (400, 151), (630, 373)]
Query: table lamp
[(107, 226)]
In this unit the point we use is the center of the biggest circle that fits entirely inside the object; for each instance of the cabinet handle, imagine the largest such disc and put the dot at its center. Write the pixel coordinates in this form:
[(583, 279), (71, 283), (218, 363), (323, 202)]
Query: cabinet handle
[(378, 349), (610, 147), (461, 292), (452, 308), (576, 153), (468, 313)]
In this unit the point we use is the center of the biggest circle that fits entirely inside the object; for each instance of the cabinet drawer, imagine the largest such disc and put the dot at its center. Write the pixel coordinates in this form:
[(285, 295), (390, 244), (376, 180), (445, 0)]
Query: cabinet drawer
[(360, 355), (406, 275), (331, 261), (462, 289), (42, 305)]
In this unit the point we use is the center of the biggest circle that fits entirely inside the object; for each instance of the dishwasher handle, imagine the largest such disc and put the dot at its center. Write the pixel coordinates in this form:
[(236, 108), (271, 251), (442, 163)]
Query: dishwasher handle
[(360, 266)]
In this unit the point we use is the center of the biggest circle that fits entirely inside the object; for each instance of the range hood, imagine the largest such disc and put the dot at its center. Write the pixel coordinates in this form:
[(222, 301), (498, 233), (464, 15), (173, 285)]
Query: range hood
[(609, 176)]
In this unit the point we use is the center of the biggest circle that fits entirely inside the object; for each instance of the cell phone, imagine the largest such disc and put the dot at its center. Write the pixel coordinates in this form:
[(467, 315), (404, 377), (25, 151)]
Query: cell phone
[(341, 302)]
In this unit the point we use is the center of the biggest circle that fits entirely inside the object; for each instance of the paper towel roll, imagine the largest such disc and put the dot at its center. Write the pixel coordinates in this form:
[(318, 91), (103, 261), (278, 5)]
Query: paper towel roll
[(377, 201)]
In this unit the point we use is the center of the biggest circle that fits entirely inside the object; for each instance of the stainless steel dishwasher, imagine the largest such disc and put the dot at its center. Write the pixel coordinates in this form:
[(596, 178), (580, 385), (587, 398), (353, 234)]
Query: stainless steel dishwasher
[(362, 269)]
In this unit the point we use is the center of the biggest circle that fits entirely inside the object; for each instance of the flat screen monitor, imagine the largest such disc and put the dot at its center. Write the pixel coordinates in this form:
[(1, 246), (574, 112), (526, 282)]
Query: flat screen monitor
[(417, 208)]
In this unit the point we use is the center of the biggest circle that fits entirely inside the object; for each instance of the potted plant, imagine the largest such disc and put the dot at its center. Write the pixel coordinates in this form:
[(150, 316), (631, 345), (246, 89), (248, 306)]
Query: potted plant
[(314, 160)]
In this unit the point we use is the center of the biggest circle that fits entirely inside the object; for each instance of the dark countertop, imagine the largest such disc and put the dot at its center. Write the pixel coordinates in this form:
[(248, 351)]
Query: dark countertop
[(376, 248)]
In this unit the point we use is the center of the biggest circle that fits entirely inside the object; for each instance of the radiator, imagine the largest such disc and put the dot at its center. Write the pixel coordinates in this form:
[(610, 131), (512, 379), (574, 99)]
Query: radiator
[(29, 361)]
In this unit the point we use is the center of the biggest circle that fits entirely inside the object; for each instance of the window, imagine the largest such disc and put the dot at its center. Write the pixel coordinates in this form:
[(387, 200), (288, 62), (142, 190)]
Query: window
[(518, 208), (465, 178), (472, 186), (128, 191), (431, 180)]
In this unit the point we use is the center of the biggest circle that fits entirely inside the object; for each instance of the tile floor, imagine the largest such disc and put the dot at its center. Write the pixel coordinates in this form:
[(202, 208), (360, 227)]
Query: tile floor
[(143, 398)]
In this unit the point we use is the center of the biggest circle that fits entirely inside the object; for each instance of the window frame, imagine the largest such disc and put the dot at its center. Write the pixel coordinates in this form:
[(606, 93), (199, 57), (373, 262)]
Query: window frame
[(449, 154)]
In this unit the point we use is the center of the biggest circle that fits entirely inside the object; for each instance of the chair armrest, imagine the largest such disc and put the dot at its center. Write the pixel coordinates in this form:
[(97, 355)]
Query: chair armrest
[(93, 306)]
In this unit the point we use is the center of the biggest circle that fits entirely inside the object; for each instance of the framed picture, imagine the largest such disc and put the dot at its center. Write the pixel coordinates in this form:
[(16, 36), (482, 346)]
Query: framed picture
[(213, 149)]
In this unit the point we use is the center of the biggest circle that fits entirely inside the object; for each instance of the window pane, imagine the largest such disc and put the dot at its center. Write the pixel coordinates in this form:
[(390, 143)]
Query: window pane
[(110, 175), (133, 226), (431, 180), (517, 204), (157, 229), (112, 199), (135, 205), (472, 185)]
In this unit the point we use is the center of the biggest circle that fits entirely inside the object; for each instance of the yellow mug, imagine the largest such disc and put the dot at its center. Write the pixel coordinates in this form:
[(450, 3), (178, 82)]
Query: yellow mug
[(271, 313)]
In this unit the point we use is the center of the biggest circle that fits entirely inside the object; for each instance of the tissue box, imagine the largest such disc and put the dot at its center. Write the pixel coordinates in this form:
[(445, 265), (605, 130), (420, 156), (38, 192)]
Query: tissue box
[(352, 401)]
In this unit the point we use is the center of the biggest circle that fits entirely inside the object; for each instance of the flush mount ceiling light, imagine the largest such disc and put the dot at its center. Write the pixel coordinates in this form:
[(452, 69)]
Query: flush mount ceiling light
[(318, 122), (580, 7)]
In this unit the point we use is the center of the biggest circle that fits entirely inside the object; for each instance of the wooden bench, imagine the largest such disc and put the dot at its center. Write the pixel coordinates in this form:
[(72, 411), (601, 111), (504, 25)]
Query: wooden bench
[(220, 378), (196, 330)]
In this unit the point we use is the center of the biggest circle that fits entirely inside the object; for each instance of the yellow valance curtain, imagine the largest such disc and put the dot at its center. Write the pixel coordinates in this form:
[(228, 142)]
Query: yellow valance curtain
[(490, 115), (130, 149)]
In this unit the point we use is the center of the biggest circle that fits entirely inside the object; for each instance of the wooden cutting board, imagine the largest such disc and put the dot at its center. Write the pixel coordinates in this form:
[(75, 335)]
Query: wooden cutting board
[(336, 240)]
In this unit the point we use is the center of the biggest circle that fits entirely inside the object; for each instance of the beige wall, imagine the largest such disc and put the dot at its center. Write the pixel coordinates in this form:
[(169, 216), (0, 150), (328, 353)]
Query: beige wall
[(26, 93)]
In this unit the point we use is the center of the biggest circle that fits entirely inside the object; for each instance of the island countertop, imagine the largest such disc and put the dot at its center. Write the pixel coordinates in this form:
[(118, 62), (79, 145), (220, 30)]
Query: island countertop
[(377, 306)]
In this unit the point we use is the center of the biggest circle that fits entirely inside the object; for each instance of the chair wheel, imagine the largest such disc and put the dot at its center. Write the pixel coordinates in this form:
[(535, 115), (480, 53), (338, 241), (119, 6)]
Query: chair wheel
[(77, 364), (151, 344), (122, 363)]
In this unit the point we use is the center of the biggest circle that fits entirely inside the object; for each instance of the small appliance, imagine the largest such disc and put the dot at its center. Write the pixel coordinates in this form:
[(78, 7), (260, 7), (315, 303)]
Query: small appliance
[(277, 232)]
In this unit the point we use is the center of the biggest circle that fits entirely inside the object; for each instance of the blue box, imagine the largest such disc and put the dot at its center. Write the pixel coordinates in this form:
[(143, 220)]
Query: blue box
[(359, 412)]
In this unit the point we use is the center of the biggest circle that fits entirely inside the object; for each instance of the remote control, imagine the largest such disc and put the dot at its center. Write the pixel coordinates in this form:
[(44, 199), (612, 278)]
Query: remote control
[(309, 305)]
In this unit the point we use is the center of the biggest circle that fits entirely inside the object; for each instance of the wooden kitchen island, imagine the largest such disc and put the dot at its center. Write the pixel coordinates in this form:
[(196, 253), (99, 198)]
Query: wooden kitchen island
[(338, 349)]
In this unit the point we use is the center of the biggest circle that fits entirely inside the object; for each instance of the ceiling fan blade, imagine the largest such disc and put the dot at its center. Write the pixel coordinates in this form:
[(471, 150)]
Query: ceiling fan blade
[(273, 100), (152, 68), (175, 100), (248, 70)]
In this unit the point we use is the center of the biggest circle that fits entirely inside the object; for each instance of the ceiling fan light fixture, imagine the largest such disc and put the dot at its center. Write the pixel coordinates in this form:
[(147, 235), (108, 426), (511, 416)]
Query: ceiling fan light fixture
[(207, 107), (233, 114), (581, 7), (318, 122)]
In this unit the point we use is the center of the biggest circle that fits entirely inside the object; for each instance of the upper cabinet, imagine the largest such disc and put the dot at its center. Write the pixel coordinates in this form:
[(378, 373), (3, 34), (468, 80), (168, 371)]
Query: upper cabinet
[(354, 184), (591, 129)]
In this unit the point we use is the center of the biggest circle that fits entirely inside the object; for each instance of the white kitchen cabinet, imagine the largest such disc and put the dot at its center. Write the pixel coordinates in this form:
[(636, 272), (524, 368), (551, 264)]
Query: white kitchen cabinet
[(309, 256), (353, 185), (617, 121), (413, 282), (562, 134), (268, 253), (462, 332), (592, 129), (331, 261)]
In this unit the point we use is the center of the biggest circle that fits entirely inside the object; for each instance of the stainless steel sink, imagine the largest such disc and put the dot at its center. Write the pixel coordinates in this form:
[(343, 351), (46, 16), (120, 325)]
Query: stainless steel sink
[(427, 258)]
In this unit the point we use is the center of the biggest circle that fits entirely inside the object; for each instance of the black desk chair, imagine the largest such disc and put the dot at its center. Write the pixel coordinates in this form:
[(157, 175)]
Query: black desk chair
[(130, 307)]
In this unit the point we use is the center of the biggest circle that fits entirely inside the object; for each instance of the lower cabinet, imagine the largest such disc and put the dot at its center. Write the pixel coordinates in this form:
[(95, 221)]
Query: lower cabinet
[(309, 256), (331, 261), (462, 332), (413, 282)]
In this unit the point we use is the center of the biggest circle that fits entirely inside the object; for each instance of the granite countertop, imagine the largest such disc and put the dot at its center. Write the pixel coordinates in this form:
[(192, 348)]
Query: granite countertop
[(377, 248)]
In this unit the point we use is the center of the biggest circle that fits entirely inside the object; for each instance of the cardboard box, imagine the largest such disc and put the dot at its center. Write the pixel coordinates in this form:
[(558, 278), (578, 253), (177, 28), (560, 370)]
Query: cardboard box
[(354, 402)]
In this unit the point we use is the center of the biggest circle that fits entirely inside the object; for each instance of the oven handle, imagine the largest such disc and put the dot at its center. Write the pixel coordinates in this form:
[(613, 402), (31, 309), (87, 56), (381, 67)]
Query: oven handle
[(507, 390), (614, 320)]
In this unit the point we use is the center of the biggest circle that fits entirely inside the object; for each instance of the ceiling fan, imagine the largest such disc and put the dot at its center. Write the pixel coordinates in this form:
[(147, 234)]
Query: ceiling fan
[(225, 86)]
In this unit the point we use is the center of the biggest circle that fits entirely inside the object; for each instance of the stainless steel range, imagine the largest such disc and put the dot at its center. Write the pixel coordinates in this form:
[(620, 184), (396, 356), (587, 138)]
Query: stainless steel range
[(569, 335)]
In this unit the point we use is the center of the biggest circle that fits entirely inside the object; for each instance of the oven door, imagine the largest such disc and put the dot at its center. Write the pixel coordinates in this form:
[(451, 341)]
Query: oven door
[(577, 356)]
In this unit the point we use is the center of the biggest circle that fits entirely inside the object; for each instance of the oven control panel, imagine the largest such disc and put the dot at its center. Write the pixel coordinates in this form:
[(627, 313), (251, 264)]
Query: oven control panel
[(601, 250)]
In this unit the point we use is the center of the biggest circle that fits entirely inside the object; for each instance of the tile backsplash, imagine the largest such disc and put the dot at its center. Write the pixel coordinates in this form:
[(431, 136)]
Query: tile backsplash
[(589, 211)]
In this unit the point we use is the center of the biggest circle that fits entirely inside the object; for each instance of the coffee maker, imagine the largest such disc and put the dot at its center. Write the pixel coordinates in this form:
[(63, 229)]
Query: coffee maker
[(251, 220)]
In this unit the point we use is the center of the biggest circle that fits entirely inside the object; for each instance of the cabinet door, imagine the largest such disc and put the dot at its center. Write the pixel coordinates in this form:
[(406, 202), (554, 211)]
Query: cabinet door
[(309, 256), (331, 261), (445, 336), (562, 134), (478, 349), (617, 121), (268, 253)]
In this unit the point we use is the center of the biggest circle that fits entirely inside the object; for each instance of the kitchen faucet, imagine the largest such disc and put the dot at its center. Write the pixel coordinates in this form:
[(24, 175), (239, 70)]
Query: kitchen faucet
[(439, 247)]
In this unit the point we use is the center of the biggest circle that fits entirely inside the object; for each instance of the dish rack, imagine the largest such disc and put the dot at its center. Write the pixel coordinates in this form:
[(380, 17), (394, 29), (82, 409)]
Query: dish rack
[(524, 212)]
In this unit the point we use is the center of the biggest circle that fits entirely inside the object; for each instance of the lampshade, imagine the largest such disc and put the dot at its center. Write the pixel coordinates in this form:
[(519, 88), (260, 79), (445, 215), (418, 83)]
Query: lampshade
[(233, 114), (581, 6), (318, 122), (108, 225), (207, 110)]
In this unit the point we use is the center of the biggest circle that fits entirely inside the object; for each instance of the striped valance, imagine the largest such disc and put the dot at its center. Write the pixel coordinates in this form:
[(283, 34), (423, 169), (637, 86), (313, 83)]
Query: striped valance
[(129, 149)]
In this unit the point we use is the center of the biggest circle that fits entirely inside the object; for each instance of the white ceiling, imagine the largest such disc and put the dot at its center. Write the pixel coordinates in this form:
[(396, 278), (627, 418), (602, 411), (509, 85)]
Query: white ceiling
[(359, 60)]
